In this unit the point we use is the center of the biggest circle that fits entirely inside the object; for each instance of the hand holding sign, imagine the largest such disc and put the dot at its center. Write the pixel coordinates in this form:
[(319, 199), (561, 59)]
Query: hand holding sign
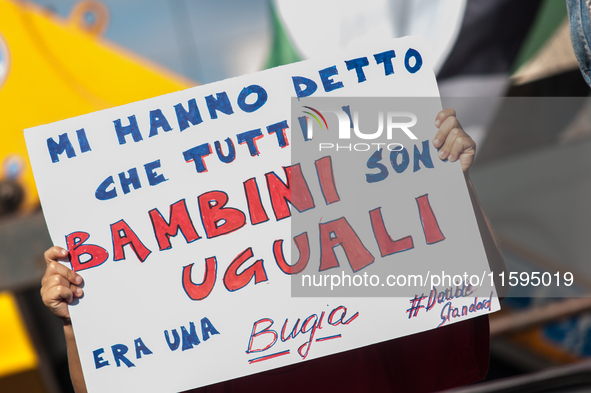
[(452, 141), (60, 285)]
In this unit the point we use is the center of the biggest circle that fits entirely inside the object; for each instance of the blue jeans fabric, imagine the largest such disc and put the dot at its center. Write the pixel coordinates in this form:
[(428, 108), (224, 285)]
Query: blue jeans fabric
[(580, 31)]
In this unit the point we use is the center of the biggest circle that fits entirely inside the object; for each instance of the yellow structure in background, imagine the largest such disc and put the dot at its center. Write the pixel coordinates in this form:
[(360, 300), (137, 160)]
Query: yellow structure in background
[(16, 351), (52, 69)]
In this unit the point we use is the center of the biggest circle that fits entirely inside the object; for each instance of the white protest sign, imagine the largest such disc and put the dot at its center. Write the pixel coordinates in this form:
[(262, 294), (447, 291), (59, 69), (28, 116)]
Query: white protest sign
[(175, 214)]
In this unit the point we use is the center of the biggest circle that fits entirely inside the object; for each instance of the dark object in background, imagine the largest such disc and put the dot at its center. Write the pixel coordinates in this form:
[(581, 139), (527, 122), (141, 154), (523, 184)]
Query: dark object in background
[(11, 196), (490, 38), (567, 84), (46, 331)]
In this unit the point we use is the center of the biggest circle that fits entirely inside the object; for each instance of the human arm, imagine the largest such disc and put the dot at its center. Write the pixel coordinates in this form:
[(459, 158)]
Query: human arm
[(59, 287), (455, 144)]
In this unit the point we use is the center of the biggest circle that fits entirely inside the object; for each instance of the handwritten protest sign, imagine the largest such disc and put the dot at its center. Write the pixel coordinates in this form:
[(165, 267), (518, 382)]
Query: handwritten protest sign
[(176, 212)]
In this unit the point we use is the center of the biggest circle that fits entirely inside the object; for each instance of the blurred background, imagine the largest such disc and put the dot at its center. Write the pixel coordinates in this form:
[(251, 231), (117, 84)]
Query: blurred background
[(507, 67)]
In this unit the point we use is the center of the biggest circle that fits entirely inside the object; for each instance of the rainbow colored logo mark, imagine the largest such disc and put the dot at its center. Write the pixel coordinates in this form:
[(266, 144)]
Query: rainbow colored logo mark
[(306, 123), (315, 117)]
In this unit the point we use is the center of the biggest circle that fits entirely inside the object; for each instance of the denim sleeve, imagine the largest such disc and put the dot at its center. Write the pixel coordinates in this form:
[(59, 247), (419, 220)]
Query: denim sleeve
[(580, 30)]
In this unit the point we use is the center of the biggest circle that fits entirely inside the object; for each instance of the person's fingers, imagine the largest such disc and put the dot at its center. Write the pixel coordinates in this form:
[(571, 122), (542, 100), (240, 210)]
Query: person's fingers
[(56, 299), (56, 280), (446, 125), (452, 134), (56, 268), (461, 143), (60, 293), (55, 253), (444, 114), (452, 141), (463, 149)]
